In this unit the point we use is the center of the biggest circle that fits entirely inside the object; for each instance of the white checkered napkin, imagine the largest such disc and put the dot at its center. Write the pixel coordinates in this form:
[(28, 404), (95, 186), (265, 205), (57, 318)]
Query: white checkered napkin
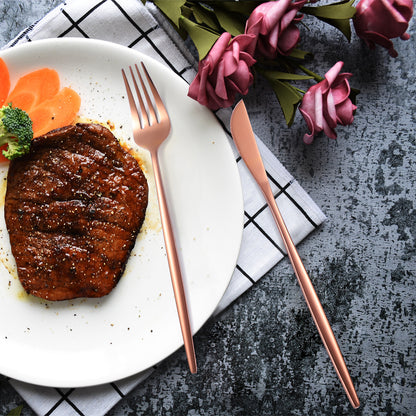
[(131, 24)]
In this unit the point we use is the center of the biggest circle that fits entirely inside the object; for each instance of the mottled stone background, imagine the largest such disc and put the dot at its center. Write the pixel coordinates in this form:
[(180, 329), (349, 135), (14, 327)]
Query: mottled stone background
[(263, 356)]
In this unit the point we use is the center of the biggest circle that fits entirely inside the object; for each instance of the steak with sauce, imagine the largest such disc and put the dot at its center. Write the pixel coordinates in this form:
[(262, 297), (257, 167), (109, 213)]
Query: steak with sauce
[(74, 206)]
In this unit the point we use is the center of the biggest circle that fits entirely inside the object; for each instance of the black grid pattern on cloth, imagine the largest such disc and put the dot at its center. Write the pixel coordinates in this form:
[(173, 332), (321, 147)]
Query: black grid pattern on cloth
[(281, 190), (64, 398), (75, 27)]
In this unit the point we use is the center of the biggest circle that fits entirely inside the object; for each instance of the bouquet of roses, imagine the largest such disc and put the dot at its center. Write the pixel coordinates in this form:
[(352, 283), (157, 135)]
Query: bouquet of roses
[(237, 39)]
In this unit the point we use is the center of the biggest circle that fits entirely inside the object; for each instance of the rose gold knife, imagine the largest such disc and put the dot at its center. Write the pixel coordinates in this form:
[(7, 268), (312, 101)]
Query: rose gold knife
[(246, 144)]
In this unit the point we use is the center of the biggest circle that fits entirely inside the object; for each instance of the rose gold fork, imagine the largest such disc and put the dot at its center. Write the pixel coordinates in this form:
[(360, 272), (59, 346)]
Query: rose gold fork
[(149, 131)]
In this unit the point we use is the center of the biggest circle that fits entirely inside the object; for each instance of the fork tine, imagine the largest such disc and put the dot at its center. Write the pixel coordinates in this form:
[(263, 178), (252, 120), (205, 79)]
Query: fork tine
[(151, 115), (143, 113), (159, 103), (133, 108)]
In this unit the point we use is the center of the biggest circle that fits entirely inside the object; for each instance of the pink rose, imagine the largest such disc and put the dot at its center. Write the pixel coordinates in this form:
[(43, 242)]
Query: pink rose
[(273, 24), (378, 21), (327, 104), (224, 72)]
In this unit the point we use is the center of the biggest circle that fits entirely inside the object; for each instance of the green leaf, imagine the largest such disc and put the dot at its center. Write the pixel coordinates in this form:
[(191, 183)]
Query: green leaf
[(230, 22), (337, 14), (203, 15), (341, 24), (289, 98), (171, 8), (342, 10), (201, 36), (243, 7), (187, 12), (312, 74), (16, 412), (353, 95), (299, 54), (286, 76)]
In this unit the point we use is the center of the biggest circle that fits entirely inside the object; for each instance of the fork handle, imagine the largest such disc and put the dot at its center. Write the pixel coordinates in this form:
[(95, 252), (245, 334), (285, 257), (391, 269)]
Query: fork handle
[(312, 301), (174, 266)]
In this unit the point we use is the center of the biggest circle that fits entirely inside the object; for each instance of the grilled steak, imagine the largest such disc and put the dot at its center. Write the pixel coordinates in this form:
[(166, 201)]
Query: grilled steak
[(74, 206)]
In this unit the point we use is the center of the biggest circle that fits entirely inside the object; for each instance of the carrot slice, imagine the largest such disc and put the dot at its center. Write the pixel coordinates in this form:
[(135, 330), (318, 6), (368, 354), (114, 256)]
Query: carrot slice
[(33, 88), (4, 82), (58, 111), (3, 158)]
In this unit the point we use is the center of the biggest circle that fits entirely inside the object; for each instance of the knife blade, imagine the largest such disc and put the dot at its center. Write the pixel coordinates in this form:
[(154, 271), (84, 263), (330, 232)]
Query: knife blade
[(245, 142)]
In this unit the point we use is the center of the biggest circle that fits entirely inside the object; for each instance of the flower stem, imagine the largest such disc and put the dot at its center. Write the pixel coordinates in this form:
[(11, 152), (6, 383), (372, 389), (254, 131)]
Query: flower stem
[(300, 90), (316, 77)]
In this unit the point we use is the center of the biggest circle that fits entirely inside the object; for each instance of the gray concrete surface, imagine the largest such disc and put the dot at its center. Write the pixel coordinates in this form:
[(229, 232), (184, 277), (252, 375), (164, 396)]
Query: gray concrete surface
[(263, 356)]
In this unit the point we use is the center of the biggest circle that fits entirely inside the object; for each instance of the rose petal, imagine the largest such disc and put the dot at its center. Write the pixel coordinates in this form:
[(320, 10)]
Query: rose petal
[(327, 104), (330, 111), (378, 21), (345, 112), (269, 22), (224, 72)]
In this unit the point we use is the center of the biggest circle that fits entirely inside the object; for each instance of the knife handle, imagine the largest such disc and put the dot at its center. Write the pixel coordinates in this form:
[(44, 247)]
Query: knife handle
[(312, 301)]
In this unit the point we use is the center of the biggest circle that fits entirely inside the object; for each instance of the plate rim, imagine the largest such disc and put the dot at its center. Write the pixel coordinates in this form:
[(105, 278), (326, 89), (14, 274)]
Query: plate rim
[(54, 42)]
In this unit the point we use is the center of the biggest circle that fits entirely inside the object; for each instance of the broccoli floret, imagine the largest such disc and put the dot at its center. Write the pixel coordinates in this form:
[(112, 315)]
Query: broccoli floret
[(15, 130)]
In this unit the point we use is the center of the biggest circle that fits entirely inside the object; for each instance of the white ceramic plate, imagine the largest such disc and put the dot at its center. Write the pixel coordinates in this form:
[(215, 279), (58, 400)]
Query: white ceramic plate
[(92, 341)]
